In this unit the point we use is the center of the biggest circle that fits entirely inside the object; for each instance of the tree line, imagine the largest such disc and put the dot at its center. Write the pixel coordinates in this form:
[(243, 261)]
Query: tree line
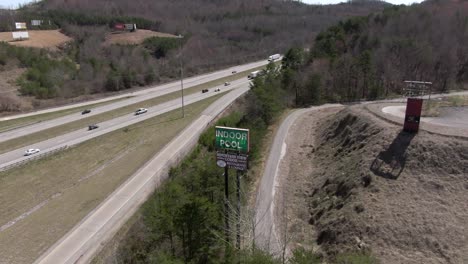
[(214, 36), (370, 57)]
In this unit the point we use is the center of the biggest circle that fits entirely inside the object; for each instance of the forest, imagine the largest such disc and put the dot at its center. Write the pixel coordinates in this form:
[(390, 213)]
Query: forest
[(216, 34), (370, 57)]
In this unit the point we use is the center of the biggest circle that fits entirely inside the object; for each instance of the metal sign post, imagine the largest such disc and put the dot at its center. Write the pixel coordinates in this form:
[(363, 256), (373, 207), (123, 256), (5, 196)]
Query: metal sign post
[(232, 145)]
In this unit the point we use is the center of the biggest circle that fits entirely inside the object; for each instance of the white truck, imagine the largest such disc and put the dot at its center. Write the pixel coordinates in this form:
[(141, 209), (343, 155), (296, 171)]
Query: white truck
[(274, 57), (253, 74)]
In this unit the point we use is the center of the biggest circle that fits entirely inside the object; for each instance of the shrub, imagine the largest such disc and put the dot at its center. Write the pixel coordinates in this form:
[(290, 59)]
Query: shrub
[(160, 47)]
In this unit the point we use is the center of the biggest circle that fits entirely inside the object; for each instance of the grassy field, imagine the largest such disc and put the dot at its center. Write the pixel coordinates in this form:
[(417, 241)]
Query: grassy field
[(29, 120), (70, 184), (27, 140), (431, 108)]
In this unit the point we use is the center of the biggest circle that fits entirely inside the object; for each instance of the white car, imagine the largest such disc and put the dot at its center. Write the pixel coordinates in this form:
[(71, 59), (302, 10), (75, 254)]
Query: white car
[(31, 151), (141, 111)]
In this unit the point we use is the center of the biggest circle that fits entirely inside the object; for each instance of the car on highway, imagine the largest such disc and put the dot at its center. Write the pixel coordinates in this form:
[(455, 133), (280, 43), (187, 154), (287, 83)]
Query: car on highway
[(227, 83), (91, 127), (217, 90), (86, 111), (204, 90), (31, 151), (234, 72), (141, 111)]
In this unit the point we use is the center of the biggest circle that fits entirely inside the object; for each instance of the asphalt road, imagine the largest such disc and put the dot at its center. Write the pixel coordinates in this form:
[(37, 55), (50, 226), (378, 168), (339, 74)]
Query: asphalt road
[(266, 234), (84, 134), (138, 96), (449, 116), (86, 238)]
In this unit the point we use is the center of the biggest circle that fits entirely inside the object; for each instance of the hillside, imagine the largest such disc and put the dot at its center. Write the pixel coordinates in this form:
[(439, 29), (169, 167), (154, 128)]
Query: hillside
[(359, 184), (215, 34), (369, 57)]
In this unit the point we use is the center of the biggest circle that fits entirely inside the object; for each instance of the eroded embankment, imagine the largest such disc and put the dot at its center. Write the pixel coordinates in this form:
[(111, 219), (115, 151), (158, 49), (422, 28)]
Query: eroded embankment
[(402, 196)]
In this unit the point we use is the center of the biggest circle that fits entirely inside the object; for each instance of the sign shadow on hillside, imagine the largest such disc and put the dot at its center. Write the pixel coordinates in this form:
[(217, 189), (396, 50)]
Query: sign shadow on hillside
[(391, 162)]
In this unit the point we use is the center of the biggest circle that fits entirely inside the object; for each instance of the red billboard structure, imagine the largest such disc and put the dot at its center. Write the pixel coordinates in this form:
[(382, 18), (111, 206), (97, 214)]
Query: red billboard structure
[(414, 90), (125, 27), (119, 26)]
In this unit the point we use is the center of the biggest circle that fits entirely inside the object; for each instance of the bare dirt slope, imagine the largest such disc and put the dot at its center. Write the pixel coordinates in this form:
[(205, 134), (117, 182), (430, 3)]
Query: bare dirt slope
[(361, 184), (51, 39), (126, 38)]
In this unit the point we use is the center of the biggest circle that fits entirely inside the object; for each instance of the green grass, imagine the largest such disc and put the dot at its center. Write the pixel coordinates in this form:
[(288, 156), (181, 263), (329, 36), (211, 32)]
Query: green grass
[(30, 139), (83, 176)]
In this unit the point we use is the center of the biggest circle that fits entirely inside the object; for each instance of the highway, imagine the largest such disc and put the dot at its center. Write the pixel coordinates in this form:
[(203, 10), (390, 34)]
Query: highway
[(84, 134), (137, 97), (81, 243)]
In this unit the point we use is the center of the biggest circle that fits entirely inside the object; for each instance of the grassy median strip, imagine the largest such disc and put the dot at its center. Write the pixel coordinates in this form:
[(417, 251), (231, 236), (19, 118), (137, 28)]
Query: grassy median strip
[(29, 120), (75, 181), (30, 139)]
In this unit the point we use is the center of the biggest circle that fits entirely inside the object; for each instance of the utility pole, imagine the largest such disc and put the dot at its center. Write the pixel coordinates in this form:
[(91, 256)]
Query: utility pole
[(181, 75), (182, 87), (226, 203), (238, 209)]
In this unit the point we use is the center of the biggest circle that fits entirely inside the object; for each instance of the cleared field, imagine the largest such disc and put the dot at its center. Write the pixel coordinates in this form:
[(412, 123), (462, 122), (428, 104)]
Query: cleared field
[(38, 39), (9, 145), (134, 38), (56, 192)]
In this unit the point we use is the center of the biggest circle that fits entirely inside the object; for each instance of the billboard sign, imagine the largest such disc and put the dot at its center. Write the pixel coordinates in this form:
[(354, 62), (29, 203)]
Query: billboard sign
[(20, 35), (232, 160), (131, 27), (413, 115), (232, 139), (36, 22), (20, 25), (119, 26)]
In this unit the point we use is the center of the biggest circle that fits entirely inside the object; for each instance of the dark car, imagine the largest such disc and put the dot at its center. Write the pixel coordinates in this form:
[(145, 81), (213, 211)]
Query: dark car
[(86, 111), (204, 90), (91, 127)]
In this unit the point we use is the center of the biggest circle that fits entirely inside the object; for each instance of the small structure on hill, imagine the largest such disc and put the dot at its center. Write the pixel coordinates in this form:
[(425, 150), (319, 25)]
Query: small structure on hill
[(20, 25), (20, 35), (121, 27), (36, 22)]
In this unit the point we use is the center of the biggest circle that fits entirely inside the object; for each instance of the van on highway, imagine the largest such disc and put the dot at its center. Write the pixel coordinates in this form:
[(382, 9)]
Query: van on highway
[(253, 74)]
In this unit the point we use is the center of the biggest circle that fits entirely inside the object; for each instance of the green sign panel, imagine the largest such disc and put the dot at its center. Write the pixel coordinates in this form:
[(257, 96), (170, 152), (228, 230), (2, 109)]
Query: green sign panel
[(234, 139)]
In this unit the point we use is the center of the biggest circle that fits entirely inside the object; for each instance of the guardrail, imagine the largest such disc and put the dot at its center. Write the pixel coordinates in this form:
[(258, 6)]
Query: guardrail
[(31, 158)]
